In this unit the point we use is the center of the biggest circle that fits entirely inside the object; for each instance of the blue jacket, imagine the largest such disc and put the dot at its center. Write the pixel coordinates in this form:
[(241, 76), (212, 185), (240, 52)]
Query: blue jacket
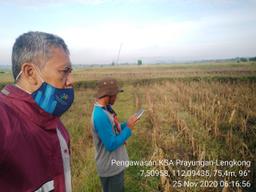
[(104, 129), (109, 143)]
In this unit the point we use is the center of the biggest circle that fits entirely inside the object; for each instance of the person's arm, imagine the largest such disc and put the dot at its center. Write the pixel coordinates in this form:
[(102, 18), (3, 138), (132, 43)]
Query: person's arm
[(123, 125), (104, 129)]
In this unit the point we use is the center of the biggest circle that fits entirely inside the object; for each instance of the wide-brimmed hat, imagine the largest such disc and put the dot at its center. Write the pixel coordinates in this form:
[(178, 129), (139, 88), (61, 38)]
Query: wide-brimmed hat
[(107, 87)]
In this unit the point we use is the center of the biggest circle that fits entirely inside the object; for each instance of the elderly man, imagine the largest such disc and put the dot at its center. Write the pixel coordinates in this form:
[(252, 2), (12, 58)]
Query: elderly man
[(34, 144), (110, 136)]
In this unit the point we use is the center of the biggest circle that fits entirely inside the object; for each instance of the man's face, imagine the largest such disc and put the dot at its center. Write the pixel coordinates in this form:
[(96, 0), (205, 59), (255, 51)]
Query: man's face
[(57, 70), (112, 99)]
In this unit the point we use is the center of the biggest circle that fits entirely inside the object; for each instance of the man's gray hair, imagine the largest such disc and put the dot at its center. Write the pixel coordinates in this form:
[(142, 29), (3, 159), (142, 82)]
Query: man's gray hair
[(36, 48)]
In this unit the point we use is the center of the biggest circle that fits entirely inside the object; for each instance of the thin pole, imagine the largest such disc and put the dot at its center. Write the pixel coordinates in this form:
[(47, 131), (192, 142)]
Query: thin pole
[(119, 51)]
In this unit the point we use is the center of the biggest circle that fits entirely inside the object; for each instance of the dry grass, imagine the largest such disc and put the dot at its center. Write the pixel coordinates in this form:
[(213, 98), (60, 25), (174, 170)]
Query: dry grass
[(202, 121), (165, 71), (187, 117)]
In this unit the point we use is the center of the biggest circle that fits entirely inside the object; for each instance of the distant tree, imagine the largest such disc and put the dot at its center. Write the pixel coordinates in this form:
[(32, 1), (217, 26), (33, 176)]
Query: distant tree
[(242, 59), (252, 59), (113, 63), (139, 62)]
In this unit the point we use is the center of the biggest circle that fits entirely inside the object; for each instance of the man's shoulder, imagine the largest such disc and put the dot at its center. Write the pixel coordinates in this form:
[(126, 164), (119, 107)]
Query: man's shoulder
[(4, 103), (98, 112), (8, 117), (7, 109)]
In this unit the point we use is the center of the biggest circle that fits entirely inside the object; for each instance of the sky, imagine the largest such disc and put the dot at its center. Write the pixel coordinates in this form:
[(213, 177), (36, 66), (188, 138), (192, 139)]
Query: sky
[(151, 30)]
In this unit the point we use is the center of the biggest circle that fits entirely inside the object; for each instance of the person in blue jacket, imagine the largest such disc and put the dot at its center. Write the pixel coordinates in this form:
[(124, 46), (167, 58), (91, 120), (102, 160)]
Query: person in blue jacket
[(110, 136)]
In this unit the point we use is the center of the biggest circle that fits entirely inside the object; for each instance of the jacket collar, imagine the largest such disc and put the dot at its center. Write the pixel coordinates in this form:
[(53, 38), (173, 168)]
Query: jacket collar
[(28, 108)]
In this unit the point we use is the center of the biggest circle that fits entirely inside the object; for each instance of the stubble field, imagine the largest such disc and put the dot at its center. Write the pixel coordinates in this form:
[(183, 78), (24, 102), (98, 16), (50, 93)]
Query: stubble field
[(202, 113)]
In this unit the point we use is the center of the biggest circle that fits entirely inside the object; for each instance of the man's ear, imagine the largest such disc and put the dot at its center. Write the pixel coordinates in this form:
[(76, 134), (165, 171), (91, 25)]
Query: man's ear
[(107, 99), (29, 74)]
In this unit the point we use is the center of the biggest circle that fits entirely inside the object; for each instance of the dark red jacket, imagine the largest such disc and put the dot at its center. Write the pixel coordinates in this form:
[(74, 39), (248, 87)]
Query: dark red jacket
[(29, 147)]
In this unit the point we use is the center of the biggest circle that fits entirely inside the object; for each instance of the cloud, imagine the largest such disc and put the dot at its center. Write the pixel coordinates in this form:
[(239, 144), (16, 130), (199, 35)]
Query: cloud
[(195, 28), (102, 41), (47, 3), (106, 35), (5, 56)]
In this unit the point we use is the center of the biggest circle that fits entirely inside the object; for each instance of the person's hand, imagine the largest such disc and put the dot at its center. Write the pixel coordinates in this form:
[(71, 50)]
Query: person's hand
[(132, 121)]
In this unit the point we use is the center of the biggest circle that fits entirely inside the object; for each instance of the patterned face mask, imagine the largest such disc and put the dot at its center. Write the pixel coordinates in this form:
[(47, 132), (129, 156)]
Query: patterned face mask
[(51, 99)]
